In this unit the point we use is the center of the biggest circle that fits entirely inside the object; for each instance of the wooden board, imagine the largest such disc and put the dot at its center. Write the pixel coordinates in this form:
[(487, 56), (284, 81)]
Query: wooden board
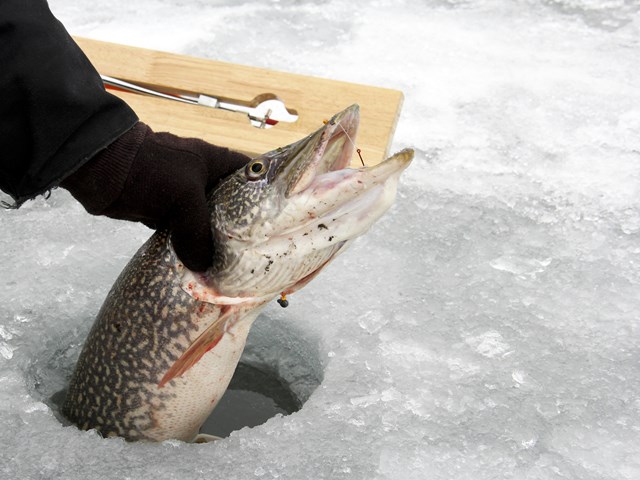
[(313, 99)]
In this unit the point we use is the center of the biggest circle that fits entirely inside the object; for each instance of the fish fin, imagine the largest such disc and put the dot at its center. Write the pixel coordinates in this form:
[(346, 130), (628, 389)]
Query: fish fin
[(205, 342)]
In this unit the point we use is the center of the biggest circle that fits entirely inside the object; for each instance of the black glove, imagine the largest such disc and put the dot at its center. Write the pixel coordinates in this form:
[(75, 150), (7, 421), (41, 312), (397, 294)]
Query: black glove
[(161, 180)]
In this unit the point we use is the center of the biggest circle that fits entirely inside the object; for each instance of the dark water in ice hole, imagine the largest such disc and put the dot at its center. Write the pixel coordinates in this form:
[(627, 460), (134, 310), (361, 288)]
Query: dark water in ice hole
[(253, 397)]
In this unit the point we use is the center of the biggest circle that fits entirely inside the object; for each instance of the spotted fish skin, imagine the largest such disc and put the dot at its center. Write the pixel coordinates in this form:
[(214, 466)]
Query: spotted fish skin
[(146, 322), (166, 341)]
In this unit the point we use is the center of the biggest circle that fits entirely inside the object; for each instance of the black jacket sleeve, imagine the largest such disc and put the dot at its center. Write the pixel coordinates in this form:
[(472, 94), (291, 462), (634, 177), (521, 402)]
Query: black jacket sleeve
[(54, 111)]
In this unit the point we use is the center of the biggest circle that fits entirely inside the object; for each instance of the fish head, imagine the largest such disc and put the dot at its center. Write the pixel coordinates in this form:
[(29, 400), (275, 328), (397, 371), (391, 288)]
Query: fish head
[(278, 221)]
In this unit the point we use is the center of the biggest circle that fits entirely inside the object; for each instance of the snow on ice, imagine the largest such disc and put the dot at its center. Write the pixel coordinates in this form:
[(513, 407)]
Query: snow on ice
[(488, 327)]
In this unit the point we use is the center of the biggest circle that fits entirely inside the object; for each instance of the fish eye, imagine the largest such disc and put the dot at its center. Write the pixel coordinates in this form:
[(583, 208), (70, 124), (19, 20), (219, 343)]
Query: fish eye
[(256, 169)]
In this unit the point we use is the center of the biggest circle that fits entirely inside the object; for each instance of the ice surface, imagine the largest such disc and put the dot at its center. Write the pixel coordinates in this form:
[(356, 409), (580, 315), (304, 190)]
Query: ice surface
[(487, 328)]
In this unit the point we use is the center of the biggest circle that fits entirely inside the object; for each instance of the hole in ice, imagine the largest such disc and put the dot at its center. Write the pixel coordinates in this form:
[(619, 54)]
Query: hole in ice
[(253, 397), (277, 373), (279, 369)]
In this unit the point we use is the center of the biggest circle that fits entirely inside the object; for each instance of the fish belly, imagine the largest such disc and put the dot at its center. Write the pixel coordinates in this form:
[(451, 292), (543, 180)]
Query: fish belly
[(193, 396)]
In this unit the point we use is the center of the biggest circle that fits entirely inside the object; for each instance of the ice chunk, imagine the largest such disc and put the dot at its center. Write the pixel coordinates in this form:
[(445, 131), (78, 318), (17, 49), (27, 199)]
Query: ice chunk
[(489, 344)]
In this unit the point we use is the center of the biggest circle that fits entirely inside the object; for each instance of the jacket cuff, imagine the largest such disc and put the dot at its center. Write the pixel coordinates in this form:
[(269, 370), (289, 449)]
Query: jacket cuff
[(100, 181)]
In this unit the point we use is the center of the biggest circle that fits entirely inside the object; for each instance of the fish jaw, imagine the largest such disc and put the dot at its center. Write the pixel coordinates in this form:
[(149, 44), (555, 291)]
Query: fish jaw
[(313, 225), (289, 212), (247, 206), (341, 205), (330, 148)]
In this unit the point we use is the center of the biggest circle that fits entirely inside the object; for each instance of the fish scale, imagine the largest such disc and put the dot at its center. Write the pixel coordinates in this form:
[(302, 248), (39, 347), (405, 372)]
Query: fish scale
[(143, 339), (166, 341)]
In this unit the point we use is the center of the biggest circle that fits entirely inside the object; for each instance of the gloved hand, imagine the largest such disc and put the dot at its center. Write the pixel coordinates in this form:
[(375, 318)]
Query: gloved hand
[(161, 180)]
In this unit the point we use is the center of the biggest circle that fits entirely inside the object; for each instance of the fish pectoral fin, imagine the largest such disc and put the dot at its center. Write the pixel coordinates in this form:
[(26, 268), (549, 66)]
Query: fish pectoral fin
[(205, 342)]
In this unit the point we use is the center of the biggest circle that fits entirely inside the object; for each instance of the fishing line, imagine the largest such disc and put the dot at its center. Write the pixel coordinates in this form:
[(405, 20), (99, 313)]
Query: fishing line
[(358, 151), (282, 301)]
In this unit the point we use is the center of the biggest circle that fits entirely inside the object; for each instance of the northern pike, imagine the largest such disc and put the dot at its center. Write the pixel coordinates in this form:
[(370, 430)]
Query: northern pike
[(167, 340)]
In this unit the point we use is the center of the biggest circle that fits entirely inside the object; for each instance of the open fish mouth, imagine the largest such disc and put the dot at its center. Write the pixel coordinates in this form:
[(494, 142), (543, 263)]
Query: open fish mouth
[(291, 210), (323, 192), (328, 149)]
